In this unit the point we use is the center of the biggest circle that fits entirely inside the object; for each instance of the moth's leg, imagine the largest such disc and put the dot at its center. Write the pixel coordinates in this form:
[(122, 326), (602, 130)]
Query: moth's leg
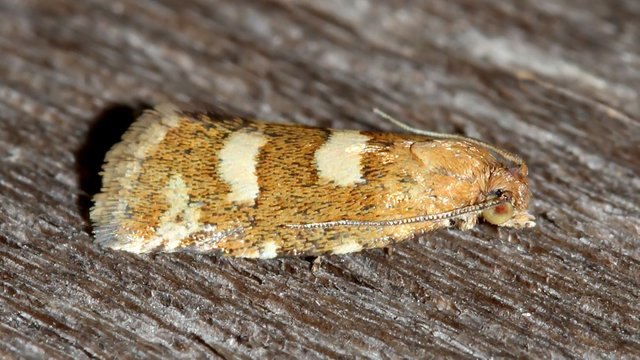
[(316, 264)]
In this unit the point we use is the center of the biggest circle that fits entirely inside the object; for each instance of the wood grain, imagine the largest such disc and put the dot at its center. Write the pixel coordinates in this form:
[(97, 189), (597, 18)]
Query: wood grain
[(555, 81)]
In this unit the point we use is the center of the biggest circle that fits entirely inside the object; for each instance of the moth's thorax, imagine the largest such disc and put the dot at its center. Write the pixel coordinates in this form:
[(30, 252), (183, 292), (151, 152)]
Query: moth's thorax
[(467, 173), (453, 170)]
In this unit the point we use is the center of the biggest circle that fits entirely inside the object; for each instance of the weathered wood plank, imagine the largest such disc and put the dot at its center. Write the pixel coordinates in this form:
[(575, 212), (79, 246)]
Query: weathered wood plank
[(556, 81)]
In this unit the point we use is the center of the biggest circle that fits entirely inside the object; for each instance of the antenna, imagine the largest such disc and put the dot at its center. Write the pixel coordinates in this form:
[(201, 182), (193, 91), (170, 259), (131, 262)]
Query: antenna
[(404, 221)]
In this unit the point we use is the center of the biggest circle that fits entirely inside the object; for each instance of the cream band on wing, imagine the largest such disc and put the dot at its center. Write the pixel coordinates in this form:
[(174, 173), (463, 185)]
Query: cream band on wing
[(340, 158), (238, 165), (347, 248), (182, 218), (269, 250)]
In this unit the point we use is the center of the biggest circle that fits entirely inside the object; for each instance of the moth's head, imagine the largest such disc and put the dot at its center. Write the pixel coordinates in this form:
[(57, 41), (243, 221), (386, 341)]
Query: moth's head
[(510, 184)]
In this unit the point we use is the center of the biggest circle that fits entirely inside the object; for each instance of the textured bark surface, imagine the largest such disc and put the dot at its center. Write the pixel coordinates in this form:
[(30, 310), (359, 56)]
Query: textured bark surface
[(555, 81)]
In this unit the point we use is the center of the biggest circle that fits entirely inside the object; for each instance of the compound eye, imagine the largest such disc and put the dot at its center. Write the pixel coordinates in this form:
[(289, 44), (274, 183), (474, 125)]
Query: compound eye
[(498, 215)]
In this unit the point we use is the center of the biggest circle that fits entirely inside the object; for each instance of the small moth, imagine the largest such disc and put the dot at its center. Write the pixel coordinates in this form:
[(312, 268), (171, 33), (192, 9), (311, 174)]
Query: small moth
[(204, 182)]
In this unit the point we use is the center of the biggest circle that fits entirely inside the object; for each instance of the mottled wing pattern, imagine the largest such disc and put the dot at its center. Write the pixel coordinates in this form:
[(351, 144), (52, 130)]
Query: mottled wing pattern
[(186, 181)]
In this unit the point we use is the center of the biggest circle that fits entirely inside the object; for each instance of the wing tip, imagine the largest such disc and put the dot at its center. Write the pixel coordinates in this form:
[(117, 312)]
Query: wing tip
[(120, 169)]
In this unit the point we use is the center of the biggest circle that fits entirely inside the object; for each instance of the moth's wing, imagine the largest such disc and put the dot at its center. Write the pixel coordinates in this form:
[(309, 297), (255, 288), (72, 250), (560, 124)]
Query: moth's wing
[(308, 184), (146, 202), (186, 182)]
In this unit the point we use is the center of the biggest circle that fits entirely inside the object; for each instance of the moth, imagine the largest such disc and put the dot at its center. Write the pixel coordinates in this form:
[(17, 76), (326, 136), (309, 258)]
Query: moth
[(214, 183)]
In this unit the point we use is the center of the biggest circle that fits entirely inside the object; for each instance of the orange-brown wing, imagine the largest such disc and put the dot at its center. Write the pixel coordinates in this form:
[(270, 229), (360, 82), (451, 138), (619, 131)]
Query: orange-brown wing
[(182, 181)]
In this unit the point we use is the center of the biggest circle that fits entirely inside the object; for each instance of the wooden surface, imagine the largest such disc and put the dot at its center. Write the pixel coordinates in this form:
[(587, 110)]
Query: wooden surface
[(555, 81)]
